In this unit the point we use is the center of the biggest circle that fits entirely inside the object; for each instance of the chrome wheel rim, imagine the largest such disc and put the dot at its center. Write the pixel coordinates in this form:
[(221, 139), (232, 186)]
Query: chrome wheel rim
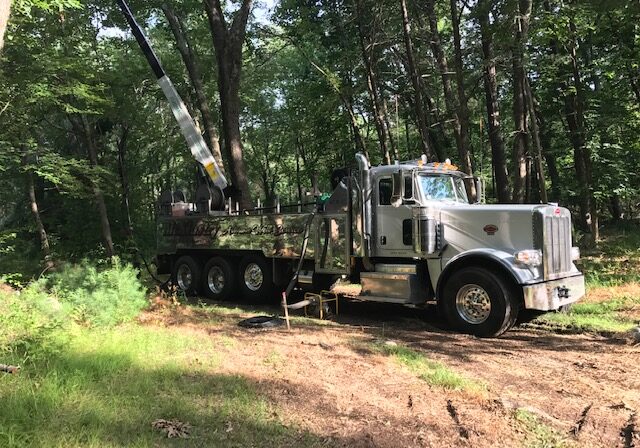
[(473, 304), (184, 277), (215, 279), (253, 277)]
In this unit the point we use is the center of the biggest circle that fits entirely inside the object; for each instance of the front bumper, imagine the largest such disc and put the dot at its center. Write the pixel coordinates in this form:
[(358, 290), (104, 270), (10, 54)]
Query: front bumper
[(553, 294)]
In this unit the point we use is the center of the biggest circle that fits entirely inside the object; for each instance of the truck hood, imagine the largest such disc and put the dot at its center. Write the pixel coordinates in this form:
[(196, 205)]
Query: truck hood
[(503, 227)]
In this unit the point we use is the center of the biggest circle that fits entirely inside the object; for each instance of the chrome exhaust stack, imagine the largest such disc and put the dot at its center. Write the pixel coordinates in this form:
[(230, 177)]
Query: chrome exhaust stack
[(365, 185)]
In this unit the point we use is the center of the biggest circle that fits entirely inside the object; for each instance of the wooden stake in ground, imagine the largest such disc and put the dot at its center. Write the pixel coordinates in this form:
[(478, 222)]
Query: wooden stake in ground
[(286, 309)]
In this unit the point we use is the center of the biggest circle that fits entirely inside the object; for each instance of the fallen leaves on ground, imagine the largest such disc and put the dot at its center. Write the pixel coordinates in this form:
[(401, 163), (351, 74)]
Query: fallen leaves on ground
[(172, 428)]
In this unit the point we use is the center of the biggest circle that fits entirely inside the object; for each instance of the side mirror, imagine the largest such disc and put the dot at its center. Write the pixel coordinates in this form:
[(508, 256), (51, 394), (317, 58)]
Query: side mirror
[(396, 197), (479, 183)]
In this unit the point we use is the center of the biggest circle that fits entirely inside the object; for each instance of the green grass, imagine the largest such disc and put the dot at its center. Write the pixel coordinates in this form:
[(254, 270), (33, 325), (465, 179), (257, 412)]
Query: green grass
[(537, 433), (607, 316), (612, 274), (433, 372), (616, 260), (104, 387)]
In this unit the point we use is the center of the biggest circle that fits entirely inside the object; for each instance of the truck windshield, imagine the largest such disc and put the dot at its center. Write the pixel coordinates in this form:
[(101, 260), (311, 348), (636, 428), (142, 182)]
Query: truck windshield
[(443, 188)]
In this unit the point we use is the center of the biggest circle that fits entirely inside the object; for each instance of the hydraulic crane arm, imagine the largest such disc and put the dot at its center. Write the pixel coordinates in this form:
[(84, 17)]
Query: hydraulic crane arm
[(195, 141)]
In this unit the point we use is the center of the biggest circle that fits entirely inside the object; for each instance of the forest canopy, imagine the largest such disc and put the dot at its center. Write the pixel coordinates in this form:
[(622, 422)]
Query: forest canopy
[(540, 98)]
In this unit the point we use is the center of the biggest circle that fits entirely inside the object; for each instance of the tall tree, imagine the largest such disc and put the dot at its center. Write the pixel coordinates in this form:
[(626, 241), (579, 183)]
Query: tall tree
[(228, 41), (574, 113), (35, 212), (421, 119), (521, 16), (454, 108), (84, 131), (489, 75), (379, 111)]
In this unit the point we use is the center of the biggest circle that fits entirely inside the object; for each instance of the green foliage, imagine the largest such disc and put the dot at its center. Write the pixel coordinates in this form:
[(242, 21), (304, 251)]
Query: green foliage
[(28, 319), (99, 295), (82, 294), (26, 6)]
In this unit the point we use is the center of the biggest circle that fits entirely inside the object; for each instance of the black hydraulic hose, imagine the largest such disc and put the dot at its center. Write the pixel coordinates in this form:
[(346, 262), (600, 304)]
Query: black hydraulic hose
[(161, 283), (305, 242)]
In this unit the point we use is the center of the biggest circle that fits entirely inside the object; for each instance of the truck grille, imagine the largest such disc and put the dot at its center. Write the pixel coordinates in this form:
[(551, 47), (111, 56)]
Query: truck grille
[(556, 248)]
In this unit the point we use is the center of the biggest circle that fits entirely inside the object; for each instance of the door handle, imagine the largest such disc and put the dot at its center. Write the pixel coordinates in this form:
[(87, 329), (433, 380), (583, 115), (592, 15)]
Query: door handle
[(383, 240)]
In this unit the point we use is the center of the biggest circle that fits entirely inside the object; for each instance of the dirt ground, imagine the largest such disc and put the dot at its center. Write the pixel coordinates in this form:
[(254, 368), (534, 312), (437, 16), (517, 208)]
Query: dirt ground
[(583, 389)]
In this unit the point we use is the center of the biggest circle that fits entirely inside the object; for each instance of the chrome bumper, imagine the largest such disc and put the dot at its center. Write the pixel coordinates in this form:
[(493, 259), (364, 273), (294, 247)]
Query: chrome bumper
[(553, 294)]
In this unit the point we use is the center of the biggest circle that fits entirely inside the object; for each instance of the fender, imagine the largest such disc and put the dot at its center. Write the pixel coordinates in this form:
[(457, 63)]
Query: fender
[(487, 257)]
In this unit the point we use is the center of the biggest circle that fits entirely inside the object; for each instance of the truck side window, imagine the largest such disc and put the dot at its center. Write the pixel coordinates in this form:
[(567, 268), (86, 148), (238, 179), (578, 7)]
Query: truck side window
[(408, 187), (385, 191)]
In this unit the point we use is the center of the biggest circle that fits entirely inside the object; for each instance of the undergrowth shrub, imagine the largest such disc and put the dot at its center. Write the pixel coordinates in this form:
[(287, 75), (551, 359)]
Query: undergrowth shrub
[(99, 296), (84, 294), (28, 319)]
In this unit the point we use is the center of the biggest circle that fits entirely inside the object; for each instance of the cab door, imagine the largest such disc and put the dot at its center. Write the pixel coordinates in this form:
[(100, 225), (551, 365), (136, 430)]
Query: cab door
[(393, 215)]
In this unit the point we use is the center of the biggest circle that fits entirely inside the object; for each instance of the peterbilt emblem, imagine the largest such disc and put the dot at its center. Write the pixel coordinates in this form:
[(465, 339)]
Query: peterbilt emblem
[(490, 229)]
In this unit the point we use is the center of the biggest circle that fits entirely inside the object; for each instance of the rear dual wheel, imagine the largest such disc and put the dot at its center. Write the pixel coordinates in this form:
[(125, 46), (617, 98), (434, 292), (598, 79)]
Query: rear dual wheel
[(219, 279), (186, 275), (256, 279)]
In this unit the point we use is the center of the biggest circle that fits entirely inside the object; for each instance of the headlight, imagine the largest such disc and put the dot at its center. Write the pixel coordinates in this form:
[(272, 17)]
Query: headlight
[(529, 257), (575, 253)]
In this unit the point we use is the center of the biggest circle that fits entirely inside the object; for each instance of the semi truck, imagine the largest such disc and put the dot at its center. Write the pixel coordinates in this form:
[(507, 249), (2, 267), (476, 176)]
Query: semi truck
[(408, 233)]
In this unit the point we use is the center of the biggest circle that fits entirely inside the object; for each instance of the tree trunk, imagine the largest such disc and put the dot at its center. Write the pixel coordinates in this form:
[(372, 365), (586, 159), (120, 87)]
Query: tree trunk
[(460, 131), (84, 129), (372, 88), (190, 61), (615, 207), (574, 113), (392, 141), (535, 133), (298, 179), (228, 42), (463, 106), (550, 158), (415, 81), (5, 8), (498, 154), (520, 141), (124, 181), (33, 205)]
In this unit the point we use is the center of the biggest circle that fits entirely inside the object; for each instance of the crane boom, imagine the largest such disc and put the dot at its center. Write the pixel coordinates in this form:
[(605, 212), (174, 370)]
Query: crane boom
[(196, 143)]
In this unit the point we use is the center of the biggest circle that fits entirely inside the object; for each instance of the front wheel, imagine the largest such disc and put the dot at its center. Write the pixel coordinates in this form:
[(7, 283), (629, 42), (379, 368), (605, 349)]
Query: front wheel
[(479, 302)]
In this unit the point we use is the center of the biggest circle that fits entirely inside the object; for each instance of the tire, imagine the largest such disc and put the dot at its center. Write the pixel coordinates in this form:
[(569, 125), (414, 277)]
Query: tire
[(218, 279), (261, 322), (496, 312), (186, 275), (256, 279)]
